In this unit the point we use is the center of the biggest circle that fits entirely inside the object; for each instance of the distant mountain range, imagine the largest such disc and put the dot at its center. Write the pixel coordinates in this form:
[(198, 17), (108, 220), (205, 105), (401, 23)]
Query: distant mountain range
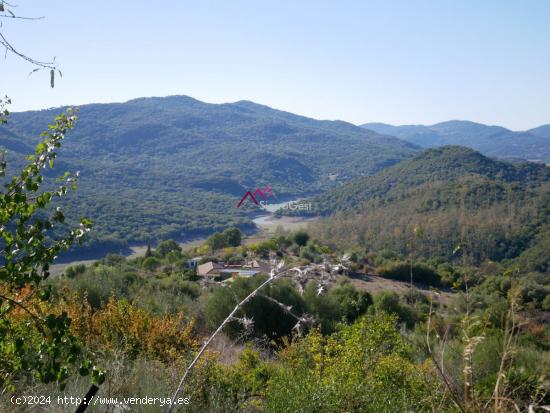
[(172, 167), (495, 141)]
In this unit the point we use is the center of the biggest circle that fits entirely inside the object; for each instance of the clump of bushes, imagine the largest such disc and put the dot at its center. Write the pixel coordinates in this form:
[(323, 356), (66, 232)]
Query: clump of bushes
[(74, 270), (231, 237), (390, 302), (401, 271)]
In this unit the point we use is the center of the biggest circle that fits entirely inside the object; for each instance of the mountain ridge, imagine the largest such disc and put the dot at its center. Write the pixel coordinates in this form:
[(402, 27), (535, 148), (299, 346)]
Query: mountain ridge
[(166, 167), (436, 164), (491, 140)]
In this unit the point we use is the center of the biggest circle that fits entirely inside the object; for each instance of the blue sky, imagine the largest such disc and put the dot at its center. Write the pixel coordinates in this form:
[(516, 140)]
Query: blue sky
[(361, 61)]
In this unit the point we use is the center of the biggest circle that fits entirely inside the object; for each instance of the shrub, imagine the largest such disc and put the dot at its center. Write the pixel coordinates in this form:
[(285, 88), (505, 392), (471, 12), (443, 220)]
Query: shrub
[(301, 238), (151, 263), (362, 368), (113, 259), (269, 319), (341, 303), (402, 271), (389, 302), (122, 327)]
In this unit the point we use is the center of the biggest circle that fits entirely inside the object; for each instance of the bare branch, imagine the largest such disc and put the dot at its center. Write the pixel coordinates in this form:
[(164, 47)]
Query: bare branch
[(10, 16), (9, 48), (37, 320), (274, 275)]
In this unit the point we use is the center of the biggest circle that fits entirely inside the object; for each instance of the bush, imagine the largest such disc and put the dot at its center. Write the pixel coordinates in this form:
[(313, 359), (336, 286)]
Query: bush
[(151, 263), (362, 368), (269, 319), (341, 303), (389, 302), (75, 270), (402, 271), (307, 254), (123, 328), (301, 238)]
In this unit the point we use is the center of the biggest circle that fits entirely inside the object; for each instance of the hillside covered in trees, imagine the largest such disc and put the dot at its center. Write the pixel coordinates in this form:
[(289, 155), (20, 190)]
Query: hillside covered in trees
[(157, 168), (491, 210)]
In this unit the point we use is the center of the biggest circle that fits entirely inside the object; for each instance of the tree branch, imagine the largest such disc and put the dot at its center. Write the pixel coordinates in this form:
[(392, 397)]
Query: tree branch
[(273, 276)]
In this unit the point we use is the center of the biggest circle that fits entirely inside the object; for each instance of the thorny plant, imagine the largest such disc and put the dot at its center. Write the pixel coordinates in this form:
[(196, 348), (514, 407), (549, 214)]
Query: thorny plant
[(472, 336), (323, 274)]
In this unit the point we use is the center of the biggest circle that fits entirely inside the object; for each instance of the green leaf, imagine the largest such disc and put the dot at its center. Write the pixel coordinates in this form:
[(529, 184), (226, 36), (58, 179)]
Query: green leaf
[(98, 376), (45, 294)]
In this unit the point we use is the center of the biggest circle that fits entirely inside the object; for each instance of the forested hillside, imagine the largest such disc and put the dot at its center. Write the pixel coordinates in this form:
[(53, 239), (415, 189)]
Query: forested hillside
[(495, 141), (458, 197), (155, 168)]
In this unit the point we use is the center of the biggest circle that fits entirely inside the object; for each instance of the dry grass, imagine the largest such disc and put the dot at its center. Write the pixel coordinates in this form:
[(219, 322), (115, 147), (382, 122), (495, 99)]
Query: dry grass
[(375, 284)]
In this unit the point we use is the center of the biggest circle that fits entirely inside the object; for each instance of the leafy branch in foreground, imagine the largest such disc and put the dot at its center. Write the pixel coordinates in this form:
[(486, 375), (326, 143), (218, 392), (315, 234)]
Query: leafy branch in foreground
[(32, 339)]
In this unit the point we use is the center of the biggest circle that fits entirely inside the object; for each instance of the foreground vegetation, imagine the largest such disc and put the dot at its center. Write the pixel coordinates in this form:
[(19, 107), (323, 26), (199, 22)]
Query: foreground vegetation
[(405, 351)]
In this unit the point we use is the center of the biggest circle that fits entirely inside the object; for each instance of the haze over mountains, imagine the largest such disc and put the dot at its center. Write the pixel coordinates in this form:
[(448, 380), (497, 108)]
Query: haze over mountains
[(495, 141), (157, 168)]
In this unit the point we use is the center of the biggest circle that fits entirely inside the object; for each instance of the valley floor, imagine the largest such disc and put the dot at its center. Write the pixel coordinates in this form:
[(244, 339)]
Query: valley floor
[(266, 224)]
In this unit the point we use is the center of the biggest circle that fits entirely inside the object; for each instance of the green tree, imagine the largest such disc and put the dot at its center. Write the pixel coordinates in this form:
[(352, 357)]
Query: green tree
[(216, 241), (166, 247), (151, 263), (33, 340), (269, 319), (148, 251), (232, 237)]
